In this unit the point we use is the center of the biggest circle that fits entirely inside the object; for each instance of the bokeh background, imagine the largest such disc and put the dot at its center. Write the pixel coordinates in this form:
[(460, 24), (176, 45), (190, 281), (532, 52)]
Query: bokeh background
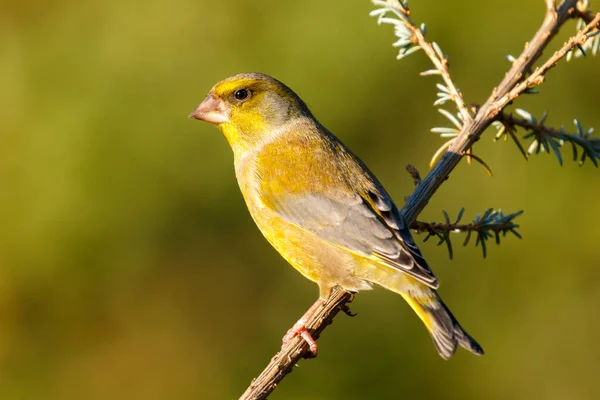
[(130, 268)]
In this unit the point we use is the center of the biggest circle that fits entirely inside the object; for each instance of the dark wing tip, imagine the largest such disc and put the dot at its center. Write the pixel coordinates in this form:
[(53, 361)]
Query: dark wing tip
[(467, 341), (410, 259), (406, 262)]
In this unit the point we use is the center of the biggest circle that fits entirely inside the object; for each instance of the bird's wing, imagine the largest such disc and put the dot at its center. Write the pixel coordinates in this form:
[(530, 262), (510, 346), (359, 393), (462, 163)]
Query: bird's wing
[(370, 226)]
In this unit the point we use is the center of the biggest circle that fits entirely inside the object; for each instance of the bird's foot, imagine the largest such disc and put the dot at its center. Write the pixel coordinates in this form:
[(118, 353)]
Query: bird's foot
[(299, 329), (346, 310)]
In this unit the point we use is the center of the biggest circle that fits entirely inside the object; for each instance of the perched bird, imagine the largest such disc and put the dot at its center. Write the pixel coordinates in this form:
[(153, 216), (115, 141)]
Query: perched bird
[(320, 206)]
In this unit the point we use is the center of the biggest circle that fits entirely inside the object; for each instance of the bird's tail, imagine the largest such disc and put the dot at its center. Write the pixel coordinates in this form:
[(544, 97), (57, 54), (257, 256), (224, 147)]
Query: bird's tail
[(445, 330)]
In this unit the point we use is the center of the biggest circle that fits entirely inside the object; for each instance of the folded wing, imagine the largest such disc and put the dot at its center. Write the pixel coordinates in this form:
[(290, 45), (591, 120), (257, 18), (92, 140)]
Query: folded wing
[(370, 226)]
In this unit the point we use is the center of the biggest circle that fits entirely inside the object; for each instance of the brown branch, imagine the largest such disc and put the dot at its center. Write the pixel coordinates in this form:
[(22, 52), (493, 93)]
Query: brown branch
[(440, 63), (542, 132), (434, 228), (533, 49), (537, 77), (584, 14), (509, 120), (490, 224), (291, 353), (472, 129)]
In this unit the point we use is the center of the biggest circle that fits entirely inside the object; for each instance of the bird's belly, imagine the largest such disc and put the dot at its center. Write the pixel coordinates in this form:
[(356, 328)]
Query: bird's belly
[(316, 259)]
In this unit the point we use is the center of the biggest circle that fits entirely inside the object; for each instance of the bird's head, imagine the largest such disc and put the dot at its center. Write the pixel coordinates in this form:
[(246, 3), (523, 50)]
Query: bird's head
[(249, 107)]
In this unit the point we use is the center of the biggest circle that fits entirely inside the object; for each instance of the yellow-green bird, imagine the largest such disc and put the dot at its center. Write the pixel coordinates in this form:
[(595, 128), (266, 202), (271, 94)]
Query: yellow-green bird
[(320, 206)]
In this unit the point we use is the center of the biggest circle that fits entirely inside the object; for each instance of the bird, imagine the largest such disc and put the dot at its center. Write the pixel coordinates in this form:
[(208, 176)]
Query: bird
[(320, 206)]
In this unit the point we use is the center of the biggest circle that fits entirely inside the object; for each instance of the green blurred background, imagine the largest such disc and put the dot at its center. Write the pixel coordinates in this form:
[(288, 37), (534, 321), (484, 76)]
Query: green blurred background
[(130, 268)]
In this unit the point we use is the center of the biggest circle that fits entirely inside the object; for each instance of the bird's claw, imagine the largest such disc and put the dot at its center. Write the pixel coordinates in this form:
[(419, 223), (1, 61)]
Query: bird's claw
[(299, 329), (346, 310)]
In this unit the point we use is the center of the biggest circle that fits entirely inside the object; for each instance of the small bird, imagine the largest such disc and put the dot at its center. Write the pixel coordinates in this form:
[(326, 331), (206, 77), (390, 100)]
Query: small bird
[(320, 206)]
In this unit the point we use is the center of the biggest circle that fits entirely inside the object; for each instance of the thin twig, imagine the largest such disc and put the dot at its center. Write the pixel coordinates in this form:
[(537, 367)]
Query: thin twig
[(584, 14), (543, 133), (490, 224), (553, 20), (440, 63), (472, 129), (292, 352), (438, 227), (442, 66), (537, 77)]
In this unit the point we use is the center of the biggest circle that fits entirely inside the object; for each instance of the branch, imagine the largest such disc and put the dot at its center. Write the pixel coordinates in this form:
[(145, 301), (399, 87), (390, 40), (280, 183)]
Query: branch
[(290, 355), (547, 138), (537, 77), (491, 224), (412, 38), (554, 19), (582, 12), (470, 132), (441, 64)]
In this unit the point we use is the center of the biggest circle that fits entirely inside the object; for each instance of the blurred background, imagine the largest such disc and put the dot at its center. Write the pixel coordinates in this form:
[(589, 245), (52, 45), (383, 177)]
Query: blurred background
[(130, 268)]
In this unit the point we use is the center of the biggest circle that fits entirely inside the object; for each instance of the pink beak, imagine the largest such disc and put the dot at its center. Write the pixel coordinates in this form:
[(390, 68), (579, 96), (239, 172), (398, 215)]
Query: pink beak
[(212, 110)]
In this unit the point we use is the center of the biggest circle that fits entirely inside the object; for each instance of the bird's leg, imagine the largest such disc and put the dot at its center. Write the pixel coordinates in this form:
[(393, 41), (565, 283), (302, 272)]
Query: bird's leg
[(299, 329)]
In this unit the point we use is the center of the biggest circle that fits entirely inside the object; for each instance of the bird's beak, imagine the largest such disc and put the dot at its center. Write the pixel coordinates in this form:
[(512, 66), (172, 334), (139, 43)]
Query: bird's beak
[(212, 110)]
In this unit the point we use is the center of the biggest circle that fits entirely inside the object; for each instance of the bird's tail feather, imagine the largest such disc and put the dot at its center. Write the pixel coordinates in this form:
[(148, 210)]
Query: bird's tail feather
[(444, 329)]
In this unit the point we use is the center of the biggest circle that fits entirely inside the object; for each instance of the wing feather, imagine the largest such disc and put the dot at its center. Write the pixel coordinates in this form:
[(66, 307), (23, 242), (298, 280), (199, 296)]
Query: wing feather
[(371, 228)]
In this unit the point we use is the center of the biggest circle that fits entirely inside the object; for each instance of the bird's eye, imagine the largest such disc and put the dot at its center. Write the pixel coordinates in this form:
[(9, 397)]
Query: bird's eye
[(241, 94)]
